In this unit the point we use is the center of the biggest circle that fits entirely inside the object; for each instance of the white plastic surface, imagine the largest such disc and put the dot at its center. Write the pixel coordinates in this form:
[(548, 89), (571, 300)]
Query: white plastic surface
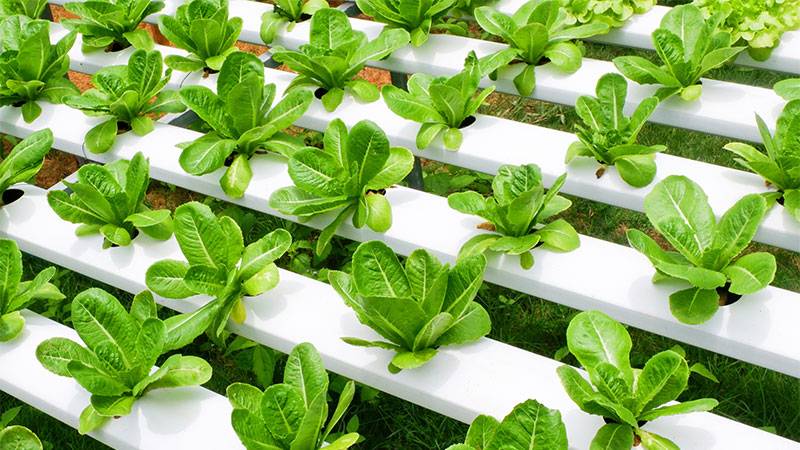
[(487, 377), (760, 328), (187, 418), (522, 144)]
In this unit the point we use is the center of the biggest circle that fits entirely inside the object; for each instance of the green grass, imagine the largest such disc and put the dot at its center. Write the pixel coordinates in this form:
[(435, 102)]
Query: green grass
[(747, 393)]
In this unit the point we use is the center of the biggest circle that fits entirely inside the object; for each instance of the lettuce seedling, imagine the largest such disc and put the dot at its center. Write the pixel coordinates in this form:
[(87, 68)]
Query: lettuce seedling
[(530, 425), (418, 18), (417, 307), (707, 249), (31, 9), (614, 13), (23, 162), (31, 69), (788, 89), (289, 13), (126, 96), (202, 28), (689, 46), (609, 137), (780, 165), (334, 55), (351, 174), (121, 348), (757, 23), (625, 397), (112, 25), (15, 294), (540, 34), (218, 264), (19, 437), (519, 215), (110, 200), (444, 105), (243, 123), (292, 414)]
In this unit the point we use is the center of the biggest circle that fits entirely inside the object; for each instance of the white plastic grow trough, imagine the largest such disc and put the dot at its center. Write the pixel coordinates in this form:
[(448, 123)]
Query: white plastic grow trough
[(759, 329), (187, 418), (487, 377), (725, 109), (522, 144)]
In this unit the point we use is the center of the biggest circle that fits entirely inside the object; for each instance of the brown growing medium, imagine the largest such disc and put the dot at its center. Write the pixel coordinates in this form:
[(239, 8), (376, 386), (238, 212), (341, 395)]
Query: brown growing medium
[(81, 80), (57, 166), (162, 196)]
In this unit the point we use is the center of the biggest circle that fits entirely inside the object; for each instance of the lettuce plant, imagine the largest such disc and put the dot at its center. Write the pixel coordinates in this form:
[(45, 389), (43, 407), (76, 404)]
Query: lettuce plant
[(519, 215), (31, 9), (757, 23), (202, 28), (780, 165), (112, 25), (417, 307), (350, 174), (540, 34), (334, 55), (530, 425), (609, 137), (289, 13), (614, 13), (124, 95), (689, 45), (444, 105), (707, 249), (110, 200), (292, 414), (15, 294), (24, 162), (625, 397), (788, 89), (418, 18), (218, 264), (19, 437), (243, 121), (121, 347), (31, 69)]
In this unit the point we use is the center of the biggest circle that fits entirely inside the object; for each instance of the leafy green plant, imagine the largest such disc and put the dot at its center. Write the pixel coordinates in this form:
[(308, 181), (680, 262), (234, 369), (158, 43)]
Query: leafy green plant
[(519, 215), (540, 34), (202, 28), (24, 161), (112, 25), (31, 9), (614, 13), (689, 45), (351, 174), (19, 437), (419, 18), (127, 96), (292, 414), (609, 137), (31, 69), (417, 307), (121, 348), (218, 264), (110, 200), (334, 55), (757, 23), (626, 397), (444, 105), (15, 294), (707, 249), (530, 426), (289, 13), (780, 165), (243, 120), (788, 89)]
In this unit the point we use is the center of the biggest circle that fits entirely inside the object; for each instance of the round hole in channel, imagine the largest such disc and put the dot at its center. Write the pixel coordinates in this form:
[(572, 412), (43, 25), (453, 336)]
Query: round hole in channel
[(469, 120), (123, 127), (726, 297), (133, 234), (11, 195), (116, 47), (320, 92), (543, 61)]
